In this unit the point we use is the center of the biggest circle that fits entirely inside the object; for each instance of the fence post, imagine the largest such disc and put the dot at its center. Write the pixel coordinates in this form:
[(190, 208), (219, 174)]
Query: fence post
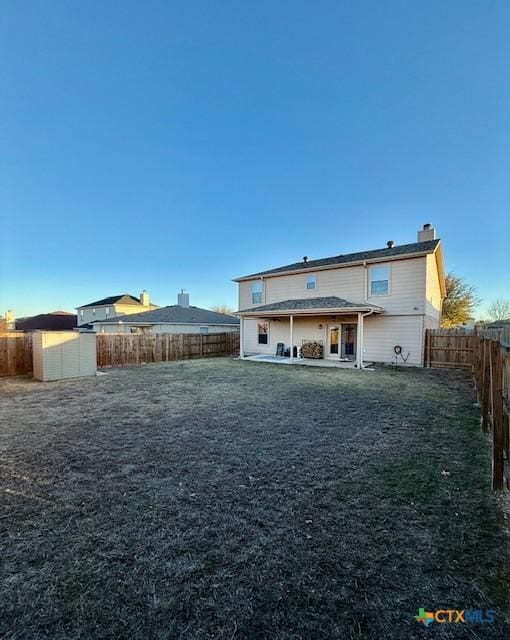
[(486, 385), (497, 417)]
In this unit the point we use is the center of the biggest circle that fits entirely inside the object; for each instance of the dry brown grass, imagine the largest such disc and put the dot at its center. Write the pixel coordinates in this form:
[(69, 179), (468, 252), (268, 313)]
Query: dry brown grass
[(227, 499)]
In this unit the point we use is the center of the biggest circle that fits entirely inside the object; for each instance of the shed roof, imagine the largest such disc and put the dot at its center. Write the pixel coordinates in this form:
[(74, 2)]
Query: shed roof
[(429, 246)]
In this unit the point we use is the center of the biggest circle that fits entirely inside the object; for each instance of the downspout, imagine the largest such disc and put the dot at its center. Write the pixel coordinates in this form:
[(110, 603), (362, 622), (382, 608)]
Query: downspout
[(362, 317), (365, 279)]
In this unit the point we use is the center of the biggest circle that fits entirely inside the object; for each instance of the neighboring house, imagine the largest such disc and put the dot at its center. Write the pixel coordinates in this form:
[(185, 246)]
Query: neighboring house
[(178, 318), (114, 307), (498, 324), (7, 321), (357, 306), (54, 321)]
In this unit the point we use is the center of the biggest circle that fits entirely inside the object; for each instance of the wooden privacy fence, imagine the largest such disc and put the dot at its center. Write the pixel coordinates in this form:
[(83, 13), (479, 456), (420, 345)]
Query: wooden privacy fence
[(485, 352), (450, 348), (114, 350), (15, 353), (491, 371)]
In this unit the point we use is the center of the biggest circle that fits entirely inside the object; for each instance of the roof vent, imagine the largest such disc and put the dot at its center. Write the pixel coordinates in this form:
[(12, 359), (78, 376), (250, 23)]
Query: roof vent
[(390, 244), (305, 259)]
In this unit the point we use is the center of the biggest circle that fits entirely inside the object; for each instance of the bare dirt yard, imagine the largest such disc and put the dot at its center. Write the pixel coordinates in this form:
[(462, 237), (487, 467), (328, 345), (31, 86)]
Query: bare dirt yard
[(229, 499)]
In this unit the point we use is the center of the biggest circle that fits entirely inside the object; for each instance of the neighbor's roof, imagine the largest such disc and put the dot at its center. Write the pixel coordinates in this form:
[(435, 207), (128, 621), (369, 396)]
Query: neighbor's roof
[(56, 321), (429, 246), (123, 298), (312, 304), (174, 314)]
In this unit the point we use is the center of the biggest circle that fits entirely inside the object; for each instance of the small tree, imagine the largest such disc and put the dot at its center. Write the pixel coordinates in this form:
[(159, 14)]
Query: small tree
[(223, 308), (500, 309), (459, 303)]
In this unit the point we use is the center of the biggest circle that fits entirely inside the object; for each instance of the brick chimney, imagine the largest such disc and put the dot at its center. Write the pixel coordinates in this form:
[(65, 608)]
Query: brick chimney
[(427, 233)]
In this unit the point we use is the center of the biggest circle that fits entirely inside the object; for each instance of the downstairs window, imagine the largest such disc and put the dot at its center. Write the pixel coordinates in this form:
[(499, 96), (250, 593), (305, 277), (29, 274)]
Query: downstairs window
[(263, 331)]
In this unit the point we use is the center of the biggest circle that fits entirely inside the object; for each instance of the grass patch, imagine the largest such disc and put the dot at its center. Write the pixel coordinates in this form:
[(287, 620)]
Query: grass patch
[(227, 499)]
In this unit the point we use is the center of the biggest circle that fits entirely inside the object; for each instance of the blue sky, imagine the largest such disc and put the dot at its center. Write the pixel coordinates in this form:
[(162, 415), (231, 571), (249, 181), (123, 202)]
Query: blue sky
[(162, 145)]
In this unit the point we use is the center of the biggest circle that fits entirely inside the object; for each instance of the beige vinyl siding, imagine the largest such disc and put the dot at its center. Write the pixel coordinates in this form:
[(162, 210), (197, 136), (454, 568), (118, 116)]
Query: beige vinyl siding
[(382, 333), (406, 287), (115, 311), (63, 354), (431, 322), (406, 294), (278, 332), (433, 298), (345, 283)]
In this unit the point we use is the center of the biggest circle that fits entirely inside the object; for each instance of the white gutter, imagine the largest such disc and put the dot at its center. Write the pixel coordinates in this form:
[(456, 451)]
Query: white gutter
[(307, 312)]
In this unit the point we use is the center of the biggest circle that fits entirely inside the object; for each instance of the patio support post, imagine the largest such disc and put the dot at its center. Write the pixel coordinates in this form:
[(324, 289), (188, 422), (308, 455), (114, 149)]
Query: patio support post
[(291, 339), (359, 341), (241, 338)]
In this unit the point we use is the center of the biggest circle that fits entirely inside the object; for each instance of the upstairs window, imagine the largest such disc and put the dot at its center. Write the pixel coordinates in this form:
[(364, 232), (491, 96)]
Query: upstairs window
[(256, 292), (263, 331), (379, 281), (311, 281)]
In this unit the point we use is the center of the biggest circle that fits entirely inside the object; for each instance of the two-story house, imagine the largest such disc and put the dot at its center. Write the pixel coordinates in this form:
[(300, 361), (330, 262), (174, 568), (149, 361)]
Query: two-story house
[(358, 307), (113, 307)]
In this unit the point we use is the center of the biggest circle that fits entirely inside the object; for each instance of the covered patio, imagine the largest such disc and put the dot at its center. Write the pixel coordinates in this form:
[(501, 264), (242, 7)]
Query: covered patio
[(325, 331)]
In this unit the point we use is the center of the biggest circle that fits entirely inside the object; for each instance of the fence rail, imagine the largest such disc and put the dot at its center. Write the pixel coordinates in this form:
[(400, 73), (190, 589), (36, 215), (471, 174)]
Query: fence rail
[(449, 348), (491, 371), (15, 353), (114, 350), (486, 353), (117, 350)]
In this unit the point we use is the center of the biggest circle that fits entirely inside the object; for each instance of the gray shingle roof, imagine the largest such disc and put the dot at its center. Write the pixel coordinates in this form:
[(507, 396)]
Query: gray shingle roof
[(175, 314), (123, 298), (329, 302), (429, 246)]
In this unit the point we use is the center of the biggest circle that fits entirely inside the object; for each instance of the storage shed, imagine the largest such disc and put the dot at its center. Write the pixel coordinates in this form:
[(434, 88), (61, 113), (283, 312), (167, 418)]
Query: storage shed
[(63, 354)]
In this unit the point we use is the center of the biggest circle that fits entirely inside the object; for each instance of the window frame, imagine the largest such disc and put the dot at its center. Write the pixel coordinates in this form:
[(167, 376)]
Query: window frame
[(266, 334), (204, 330), (371, 280), (257, 289), (309, 276)]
